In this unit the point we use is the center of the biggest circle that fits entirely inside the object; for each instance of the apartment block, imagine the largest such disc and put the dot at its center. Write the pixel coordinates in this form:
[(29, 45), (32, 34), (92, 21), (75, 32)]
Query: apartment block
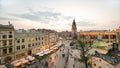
[(6, 43), (17, 44)]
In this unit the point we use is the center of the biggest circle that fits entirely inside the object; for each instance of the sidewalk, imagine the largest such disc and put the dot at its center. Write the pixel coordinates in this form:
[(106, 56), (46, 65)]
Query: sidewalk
[(72, 63)]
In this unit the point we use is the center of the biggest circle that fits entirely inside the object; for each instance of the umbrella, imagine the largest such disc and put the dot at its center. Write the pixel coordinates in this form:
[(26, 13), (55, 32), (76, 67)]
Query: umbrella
[(40, 54)]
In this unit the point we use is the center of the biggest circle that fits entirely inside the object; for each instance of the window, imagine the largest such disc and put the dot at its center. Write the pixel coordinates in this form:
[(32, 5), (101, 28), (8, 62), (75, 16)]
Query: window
[(4, 36), (23, 40), (10, 42), (29, 45), (29, 40), (36, 39), (18, 41), (23, 46), (33, 44), (0, 44), (39, 38), (18, 47), (4, 51), (42, 43), (94, 64), (99, 66), (10, 32), (4, 42), (42, 38), (0, 36), (36, 44), (10, 50), (10, 36)]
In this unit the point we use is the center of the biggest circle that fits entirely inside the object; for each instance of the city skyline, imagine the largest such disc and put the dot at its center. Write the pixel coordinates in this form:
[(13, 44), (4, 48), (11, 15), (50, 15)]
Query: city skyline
[(58, 15)]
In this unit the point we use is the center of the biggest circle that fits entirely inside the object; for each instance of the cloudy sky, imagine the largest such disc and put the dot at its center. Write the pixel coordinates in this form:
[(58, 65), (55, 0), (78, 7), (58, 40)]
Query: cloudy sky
[(59, 14)]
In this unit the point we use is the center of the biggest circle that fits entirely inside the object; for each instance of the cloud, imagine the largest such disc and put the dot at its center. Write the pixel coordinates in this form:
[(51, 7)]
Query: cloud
[(0, 5), (29, 16), (4, 18), (39, 15), (48, 17), (84, 23)]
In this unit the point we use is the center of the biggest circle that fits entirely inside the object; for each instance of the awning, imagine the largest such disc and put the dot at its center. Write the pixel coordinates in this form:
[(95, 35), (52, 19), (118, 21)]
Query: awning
[(30, 58), (40, 54), (51, 50), (14, 62), (17, 64), (3, 66), (26, 61), (46, 52), (23, 60), (51, 47)]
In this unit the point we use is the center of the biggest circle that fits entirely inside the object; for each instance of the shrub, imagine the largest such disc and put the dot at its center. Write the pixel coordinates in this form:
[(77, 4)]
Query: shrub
[(72, 43)]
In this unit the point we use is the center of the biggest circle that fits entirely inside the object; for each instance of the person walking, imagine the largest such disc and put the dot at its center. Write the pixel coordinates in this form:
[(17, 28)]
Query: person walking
[(73, 65)]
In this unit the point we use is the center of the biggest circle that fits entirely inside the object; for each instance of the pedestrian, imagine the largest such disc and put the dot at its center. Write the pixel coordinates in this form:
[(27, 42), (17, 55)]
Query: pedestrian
[(64, 66), (39, 61), (36, 66), (46, 64), (73, 65)]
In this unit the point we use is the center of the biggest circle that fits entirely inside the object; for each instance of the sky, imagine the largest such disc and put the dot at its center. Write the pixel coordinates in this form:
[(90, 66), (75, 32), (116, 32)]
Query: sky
[(59, 14)]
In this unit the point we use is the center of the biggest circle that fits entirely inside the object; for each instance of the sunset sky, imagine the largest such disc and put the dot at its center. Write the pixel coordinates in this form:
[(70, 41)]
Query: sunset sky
[(59, 14)]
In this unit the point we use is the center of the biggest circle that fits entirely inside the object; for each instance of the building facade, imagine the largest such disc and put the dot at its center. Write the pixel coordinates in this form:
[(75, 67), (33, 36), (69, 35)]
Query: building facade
[(28, 42), (65, 35), (17, 44), (51, 37), (6, 43), (105, 35), (118, 34)]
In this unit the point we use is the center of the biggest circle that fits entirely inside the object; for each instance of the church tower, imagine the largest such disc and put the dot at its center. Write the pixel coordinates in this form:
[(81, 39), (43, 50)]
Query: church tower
[(74, 30)]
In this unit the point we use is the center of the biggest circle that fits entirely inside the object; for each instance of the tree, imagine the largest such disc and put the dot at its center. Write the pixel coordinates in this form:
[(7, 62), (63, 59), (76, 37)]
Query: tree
[(84, 51)]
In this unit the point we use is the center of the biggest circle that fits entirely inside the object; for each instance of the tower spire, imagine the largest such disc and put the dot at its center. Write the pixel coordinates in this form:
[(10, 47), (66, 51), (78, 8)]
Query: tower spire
[(74, 22), (74, 30)]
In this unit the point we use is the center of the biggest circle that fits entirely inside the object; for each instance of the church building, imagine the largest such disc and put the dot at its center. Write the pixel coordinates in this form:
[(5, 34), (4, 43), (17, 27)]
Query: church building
[(74, 30)]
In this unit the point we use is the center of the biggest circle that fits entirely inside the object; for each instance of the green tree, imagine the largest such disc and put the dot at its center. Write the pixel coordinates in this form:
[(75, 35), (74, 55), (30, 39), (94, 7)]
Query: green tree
[(84, 47), (84, 51)]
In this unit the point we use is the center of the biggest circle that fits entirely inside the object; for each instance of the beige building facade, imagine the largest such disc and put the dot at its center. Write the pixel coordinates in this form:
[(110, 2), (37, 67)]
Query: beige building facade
[(17, 44), (105, 35), (6, 43), (28, 42)]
